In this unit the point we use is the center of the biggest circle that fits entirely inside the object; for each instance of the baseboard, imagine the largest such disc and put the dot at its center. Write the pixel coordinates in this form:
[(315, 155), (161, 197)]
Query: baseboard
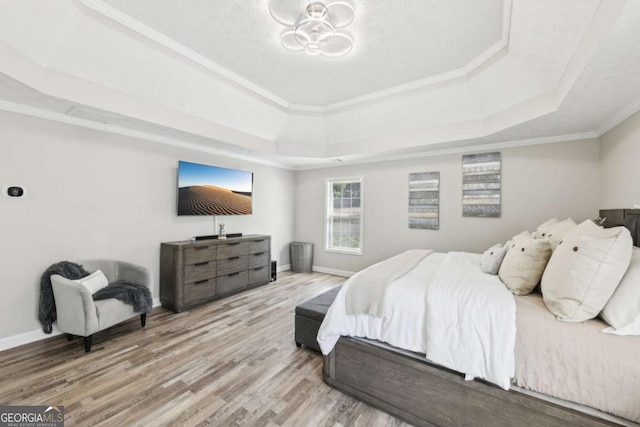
[(282, 268), (333, 271), (37, 335)]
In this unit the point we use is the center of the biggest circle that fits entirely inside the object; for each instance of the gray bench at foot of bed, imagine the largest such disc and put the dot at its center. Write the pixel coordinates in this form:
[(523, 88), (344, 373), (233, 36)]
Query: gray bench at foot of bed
[(309, 317)]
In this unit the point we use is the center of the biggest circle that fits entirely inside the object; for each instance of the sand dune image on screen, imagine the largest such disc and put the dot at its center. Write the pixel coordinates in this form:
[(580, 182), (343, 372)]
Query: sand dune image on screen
[(212, 200)]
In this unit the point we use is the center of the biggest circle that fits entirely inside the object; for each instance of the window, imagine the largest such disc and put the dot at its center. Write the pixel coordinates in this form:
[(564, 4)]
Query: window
[(344, 215)]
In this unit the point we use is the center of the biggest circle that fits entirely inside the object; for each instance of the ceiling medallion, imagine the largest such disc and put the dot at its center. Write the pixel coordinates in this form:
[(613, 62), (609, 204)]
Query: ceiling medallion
[(315, 31)]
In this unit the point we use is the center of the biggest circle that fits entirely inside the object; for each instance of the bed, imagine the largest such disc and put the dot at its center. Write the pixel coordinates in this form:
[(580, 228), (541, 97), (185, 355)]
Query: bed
[(529, 368)]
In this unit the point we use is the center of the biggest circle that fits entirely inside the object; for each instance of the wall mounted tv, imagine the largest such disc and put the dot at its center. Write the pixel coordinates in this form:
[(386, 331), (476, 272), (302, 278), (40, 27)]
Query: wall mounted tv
[(212, 190)]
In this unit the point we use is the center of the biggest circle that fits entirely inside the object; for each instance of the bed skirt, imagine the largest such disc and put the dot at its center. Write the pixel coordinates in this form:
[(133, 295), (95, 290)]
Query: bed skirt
[(424, 394)]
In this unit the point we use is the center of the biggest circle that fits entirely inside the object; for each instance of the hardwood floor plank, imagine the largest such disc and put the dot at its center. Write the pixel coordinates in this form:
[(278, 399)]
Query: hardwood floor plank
[(230, 362)]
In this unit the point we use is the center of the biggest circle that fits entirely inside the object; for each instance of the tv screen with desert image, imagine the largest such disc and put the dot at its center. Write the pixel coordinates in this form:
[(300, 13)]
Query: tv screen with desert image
[(212, 190)]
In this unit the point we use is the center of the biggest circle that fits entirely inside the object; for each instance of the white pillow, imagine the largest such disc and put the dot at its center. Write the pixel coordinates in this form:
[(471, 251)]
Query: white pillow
[(524, 235), (622, 311), (94, 282), (585, 270), (492, 258), (524, 264), (557, 233), (543, 229)]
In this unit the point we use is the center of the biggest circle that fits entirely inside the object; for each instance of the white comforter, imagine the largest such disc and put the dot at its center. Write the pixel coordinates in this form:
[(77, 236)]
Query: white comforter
[(446, 308)]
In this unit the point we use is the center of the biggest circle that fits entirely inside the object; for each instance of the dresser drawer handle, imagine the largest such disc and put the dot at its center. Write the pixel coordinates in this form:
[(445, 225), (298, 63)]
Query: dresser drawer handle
[(233, 274), (258, 241), (199, 282), (199, 248), (258, 268), (233, 258), (198, 264), (233, 244), (259, 254)]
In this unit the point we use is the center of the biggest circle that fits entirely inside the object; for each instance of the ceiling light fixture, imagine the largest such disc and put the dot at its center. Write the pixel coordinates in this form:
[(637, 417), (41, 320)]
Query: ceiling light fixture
[(315, 30)]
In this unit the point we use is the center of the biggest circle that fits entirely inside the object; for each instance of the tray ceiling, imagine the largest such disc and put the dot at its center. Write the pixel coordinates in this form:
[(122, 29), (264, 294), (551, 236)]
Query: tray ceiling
[(424, 76)]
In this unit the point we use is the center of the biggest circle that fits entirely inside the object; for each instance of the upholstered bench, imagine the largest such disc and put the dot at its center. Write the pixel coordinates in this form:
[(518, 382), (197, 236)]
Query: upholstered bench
[(309, 317)]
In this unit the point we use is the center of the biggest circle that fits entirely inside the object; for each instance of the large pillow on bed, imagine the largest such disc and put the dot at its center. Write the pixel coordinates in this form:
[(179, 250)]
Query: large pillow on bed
[(492, 258), (543, 229), (524, 264), (622, 311), (558, 231), (584, 270), (524, 235)]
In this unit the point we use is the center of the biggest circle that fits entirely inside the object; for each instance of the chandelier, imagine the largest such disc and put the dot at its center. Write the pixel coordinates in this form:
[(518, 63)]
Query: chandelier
[(315, 30)]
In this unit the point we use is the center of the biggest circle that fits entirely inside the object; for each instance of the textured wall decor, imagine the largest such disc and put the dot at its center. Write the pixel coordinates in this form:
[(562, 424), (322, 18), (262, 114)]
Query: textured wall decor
[(424, 200), (481, 185)]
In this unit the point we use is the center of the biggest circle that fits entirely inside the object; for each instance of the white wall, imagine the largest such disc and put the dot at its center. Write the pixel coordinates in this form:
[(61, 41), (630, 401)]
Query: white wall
[(538, 182), (620, 172), (93, 194)]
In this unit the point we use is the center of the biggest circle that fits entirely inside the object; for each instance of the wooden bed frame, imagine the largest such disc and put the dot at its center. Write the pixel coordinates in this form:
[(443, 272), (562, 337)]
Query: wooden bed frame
[(407, 386), (423, 394)]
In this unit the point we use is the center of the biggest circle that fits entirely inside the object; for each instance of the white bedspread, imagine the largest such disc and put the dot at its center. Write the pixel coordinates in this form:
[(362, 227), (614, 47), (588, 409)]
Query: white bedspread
[(446, 308)]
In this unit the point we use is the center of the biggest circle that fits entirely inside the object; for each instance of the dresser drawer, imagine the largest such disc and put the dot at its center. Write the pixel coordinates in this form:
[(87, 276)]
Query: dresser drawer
[(232, 282), (258, 245), (196, 254), (232, 249), (200, 271), (199, 291), (259, 259), (258, 275), (232, 265)]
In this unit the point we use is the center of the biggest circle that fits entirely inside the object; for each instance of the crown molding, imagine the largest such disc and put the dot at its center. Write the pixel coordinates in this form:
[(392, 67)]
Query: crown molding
[(461, 73), (457, 150), (620, 117), (75, 121)]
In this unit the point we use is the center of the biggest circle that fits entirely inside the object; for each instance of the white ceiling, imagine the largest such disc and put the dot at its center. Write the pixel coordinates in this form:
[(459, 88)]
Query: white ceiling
[(424, 76)]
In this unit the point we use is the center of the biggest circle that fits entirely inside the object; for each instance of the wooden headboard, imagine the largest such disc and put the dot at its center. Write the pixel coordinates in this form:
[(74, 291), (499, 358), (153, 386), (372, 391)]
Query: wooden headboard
[(630, 218), (632, 222)]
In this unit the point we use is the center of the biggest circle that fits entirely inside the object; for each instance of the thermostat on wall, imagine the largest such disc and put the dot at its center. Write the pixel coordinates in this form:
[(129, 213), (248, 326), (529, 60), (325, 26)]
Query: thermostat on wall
[(14, 191)]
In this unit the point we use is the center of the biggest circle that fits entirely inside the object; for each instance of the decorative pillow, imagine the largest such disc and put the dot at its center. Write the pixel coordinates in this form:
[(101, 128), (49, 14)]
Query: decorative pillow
[(492, 258), (94, 282), (524, 235), (524, 264), (622, 311), (557, 233), (543, 229), (584, 270)]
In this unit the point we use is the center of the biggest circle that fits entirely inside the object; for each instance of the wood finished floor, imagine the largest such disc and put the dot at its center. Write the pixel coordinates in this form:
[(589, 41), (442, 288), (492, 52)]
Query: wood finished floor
[(230, 362)]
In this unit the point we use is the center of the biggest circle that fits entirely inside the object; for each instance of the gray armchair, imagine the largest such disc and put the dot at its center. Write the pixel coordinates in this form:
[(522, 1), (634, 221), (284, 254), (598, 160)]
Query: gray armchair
[(77, 312)]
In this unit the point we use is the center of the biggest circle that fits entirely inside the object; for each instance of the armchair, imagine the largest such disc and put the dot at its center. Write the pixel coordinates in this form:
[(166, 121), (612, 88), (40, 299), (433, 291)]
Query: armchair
[(77, 312)]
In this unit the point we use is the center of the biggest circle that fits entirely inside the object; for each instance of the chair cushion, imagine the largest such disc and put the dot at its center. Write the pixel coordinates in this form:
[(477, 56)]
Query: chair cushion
[(316, 308), (94, 282), (111, 311)]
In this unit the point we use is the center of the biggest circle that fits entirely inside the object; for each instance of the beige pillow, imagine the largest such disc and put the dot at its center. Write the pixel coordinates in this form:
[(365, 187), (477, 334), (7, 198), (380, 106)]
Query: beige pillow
[(584, 270), (622, 311), (524, 264), (557, 233), (94, 282), (524, 235), (543, 229)]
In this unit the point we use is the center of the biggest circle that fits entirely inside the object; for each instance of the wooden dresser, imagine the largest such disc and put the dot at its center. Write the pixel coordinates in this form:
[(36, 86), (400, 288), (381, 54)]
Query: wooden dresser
[(194, 273)]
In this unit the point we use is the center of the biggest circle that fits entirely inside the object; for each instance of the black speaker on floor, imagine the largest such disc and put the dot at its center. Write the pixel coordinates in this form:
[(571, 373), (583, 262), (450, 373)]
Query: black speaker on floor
[(274, 266)]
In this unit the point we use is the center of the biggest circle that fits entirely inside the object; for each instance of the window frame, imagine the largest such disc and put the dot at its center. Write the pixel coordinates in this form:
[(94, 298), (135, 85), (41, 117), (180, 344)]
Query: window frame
[(328, 215)]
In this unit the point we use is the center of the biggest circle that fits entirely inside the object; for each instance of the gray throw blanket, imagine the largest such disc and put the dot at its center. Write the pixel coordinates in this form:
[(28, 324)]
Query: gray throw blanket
[(138, 296), (47, 310)]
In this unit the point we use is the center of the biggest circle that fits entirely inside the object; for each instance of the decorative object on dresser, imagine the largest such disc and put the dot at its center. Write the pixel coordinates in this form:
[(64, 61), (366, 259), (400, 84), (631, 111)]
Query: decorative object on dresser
[(195, 273)]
